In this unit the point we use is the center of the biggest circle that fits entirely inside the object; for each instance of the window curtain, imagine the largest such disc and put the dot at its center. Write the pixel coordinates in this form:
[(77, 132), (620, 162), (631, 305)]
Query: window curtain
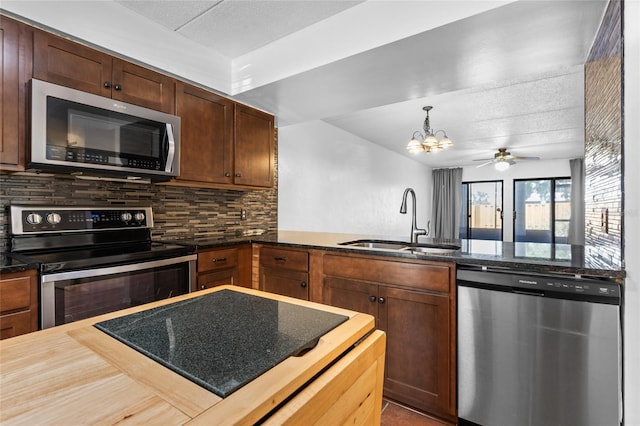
[(576, 222), (445, 219)]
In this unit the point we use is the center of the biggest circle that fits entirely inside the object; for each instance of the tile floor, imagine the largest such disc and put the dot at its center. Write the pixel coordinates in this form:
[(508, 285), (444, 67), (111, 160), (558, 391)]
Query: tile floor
[(397, 415)]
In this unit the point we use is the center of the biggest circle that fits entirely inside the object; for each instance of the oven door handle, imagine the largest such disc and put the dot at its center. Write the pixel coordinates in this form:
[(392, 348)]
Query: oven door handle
[(98, 272)]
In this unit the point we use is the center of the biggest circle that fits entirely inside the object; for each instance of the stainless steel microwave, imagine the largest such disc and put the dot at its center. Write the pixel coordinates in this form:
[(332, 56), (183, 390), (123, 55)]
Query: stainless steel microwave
[(74, 131)]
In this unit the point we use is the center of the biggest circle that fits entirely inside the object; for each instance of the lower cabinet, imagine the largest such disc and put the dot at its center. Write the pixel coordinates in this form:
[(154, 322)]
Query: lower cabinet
[(413, 303), (18, 303), (229, 265), (285, 272)]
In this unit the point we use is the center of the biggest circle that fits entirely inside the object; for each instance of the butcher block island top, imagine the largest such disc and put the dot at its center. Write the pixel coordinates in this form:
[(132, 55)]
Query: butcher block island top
[(148, 364)]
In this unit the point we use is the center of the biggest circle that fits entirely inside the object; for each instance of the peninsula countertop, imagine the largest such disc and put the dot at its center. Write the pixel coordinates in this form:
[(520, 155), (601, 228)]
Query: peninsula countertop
[(78, 374), (526, 257)]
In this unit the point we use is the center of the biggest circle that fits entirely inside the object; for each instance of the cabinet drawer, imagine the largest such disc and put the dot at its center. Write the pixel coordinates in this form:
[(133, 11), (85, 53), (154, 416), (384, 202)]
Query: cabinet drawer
[(15, 294), (284, 259), (432, 276), (217, 259), (15, 324)]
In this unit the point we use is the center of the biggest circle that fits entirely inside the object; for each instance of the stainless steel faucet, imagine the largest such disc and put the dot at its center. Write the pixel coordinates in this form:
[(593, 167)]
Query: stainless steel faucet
[(415, 231)]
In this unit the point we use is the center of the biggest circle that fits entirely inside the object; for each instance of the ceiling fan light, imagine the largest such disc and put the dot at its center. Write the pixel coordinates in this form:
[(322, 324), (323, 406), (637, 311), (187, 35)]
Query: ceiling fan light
[(501, 166), (414, 146)]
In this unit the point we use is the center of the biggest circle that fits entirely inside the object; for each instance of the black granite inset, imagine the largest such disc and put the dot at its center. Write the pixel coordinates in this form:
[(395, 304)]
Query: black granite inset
[(222, 340)]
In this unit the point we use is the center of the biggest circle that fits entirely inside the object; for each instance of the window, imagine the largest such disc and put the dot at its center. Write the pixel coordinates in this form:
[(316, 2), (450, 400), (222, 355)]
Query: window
[(481, 210), (541, 210)]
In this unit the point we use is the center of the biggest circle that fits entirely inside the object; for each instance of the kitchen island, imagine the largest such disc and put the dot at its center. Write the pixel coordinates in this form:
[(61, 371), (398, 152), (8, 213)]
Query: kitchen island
[(78, 374)]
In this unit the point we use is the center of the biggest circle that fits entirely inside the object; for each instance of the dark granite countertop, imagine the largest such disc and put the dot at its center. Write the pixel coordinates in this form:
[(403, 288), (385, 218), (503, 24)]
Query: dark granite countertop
[(225, 339), (10, 264), (526, 257)]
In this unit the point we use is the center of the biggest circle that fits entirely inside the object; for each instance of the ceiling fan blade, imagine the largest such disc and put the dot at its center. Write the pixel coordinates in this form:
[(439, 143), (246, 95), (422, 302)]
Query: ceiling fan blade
[(484, 159), (524, 158), (484, 164)]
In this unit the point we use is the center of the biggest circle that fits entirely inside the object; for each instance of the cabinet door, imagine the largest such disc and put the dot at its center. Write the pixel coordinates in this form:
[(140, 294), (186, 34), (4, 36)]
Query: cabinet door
[(18, 303), (355, 295), (206, 153), (216, 278), (254, 147), (141, 86), (418, 365), (13, 76), (285, 282), (70, 64)]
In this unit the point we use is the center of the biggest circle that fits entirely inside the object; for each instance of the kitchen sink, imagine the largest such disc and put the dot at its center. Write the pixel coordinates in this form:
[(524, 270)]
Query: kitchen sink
[(428, 248), (381, 244)]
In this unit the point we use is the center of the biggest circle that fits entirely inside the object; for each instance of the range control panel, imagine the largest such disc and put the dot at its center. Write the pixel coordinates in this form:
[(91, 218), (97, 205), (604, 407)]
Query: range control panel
[(48, 219)]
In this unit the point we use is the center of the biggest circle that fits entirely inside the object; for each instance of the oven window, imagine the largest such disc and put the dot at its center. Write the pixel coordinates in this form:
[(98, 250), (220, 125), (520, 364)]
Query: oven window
[(82, 298)]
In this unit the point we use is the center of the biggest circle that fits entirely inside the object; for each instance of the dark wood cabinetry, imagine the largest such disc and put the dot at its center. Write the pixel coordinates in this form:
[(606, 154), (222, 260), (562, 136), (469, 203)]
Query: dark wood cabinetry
[(207, 136), (18, 303), (253, 147), (224, 144), (414, 303), (285, 272), (61, 61), (15, 71), (229, 265)]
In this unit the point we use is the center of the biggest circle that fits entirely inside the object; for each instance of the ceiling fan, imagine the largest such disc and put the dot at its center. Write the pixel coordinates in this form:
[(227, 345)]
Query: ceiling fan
[(503, 159)]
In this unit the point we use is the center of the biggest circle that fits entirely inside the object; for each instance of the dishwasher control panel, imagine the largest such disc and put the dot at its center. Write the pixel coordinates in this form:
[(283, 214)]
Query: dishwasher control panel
[(538, 284)]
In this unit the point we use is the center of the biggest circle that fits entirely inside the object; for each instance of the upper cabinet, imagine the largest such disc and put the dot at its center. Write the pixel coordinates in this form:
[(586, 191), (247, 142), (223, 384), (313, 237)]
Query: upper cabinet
[(223, 143), (15, 71), (206, 154), (67, 63), (254, 147)]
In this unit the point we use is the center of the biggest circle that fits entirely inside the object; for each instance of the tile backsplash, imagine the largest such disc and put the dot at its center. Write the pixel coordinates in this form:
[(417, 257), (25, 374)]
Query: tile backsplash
[(603, 144), (178, 211)]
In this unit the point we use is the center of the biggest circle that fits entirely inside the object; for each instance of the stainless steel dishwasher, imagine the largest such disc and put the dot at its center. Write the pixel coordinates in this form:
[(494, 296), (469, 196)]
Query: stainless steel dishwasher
[(537, 350)]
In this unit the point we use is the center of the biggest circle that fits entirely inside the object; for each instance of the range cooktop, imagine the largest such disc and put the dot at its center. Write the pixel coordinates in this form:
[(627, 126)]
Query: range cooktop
[(223, 340)]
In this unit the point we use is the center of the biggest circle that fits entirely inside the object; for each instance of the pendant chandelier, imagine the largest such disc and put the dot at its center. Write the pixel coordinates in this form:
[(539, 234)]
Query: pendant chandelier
[(428, 142)]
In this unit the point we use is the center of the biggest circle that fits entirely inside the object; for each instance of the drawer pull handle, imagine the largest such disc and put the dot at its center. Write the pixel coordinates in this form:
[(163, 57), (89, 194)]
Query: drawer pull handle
[(303, 284), (280, 259), (219, 259), (372, 298)]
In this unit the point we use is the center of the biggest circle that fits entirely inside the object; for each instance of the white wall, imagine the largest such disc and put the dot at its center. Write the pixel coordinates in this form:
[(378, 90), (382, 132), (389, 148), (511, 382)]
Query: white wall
[(632, 212), (521, 170), (332, 181)]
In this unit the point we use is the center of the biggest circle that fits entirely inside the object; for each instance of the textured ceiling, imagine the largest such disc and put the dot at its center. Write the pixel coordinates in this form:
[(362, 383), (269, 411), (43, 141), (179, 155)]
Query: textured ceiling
[(511, 76), (235, 27)]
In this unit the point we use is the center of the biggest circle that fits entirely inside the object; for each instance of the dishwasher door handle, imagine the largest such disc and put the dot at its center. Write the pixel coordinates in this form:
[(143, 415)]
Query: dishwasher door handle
[(528, 292)]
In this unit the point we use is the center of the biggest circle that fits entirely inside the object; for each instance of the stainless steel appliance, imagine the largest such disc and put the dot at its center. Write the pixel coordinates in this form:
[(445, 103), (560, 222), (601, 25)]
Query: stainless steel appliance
[(537, 350), (94, 260), (76, 131)]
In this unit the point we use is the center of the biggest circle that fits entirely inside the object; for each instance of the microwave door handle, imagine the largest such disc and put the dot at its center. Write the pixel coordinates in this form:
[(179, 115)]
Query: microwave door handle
[(172, 149)]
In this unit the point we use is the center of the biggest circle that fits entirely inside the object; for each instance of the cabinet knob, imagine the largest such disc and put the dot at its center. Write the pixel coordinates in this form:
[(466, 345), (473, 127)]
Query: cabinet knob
[(381, 300), (202, 287), (303, 284), (227, 174), (107, 84), (219, 259), (372, 298), (117, 87), (238, 174)]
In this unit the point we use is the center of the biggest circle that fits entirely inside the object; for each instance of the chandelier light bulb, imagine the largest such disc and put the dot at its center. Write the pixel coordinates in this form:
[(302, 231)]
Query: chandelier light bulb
[(414, 146)]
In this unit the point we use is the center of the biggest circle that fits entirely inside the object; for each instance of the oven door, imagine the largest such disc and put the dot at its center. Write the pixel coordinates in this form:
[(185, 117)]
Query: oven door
[(75, 295)]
